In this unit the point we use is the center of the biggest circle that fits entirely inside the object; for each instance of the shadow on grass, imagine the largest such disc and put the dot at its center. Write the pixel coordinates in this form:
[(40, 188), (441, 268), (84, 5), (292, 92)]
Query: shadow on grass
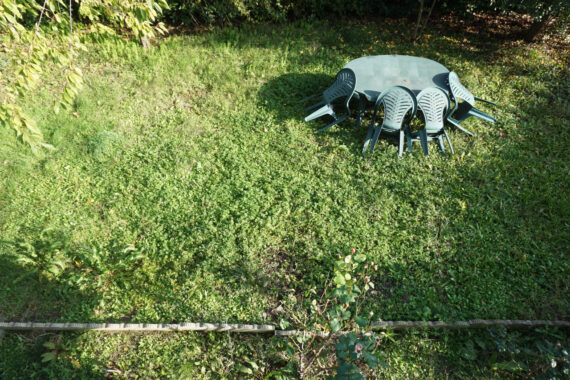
[(28, 295), (33, 295), (281, 95)]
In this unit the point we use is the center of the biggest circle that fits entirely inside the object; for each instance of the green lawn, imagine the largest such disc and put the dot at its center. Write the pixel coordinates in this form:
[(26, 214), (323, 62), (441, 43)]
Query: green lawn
[(187, 187)]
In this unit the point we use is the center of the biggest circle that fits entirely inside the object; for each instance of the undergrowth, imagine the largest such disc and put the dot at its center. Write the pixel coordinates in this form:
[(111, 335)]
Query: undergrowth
[(187, 187)]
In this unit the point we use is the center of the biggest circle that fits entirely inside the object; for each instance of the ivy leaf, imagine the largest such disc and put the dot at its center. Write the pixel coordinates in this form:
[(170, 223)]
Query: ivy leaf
[(335, 325), (362, 322), (360, 258), (370, 359), (339, 279)]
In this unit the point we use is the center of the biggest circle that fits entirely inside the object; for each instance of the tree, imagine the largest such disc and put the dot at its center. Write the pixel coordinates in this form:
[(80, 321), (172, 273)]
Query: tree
[(545, 13), (50, 44), (423, 18)]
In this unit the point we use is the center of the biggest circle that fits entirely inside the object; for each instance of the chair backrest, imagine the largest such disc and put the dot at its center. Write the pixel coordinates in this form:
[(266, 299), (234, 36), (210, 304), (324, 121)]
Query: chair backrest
[(433, 102), (458, 90), (397, 100), (344, 85)]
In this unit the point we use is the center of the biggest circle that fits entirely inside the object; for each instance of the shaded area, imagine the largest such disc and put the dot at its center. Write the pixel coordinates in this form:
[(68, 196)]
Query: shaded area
[(281, 95), (45, 355), (34, 293)]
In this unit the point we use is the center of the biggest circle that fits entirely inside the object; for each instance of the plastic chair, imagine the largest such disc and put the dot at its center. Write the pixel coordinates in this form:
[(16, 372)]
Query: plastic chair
[(343, 86), (465, 109), (434, 104), (397, 102)]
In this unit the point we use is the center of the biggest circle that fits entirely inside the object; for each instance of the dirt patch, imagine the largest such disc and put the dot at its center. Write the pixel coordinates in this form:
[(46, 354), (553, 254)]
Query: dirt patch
[(509, 28), (191, 98), (280, 276)]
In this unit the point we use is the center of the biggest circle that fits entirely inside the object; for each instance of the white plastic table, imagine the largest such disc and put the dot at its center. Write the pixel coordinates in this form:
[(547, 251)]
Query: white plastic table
[(376, 73)]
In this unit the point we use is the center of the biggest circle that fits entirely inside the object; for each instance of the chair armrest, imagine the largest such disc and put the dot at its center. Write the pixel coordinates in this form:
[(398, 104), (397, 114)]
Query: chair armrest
[(308, 98), (485, 101), (315, 106)]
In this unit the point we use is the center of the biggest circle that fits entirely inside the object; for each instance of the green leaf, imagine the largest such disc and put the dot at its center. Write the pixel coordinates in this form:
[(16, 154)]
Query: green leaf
[(360, 258), (341, 346), (49, 356), (370, 359), (339, 279), (244, 369), (511, 366), (362, 322), (252, 364), (283, 324), (335, 325)]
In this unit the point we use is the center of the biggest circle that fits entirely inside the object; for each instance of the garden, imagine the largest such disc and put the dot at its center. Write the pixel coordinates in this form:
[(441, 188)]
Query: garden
[(183, 185)]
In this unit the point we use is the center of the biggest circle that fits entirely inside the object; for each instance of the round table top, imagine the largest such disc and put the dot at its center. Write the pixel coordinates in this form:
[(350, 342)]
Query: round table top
[(376, 73)]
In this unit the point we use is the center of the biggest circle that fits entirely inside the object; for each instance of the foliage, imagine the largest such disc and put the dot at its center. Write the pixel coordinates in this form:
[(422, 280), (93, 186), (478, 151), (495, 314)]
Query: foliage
[(48, 51), (357, 347), (56, 350), (545, 354), (537, 9), (232, 200), (49, 255), (336, 316), (199, 12), (543, 12)]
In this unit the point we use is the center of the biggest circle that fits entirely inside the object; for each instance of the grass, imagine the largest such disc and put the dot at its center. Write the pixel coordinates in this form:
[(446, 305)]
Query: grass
[(187, 187)]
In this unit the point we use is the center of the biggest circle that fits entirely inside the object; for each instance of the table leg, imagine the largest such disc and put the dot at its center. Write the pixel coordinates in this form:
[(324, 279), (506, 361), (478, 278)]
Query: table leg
[(361, 110)]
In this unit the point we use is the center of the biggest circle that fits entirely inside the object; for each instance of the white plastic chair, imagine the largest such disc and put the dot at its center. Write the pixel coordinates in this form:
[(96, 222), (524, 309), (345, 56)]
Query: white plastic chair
[(343, 86), (397, 101), (434, 104), (465, 109)]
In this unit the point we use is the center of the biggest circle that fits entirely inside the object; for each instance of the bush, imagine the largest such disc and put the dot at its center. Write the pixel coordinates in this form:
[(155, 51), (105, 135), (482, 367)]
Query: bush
[(200, 12)]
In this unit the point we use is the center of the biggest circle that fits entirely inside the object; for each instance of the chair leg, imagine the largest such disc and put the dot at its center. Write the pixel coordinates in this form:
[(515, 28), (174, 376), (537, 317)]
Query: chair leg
[(485, 101), (440, 143), (401, 145), (375, 138), (424, 141), (464, 130), (456, 124), (448, 142), (369, 135), (482, 115), (308, 98), (360, 112), (333, 123), (408, 133)]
